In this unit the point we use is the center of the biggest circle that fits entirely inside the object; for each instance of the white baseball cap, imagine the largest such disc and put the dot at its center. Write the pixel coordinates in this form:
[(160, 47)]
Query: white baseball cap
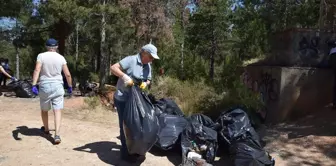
[(150, 48)]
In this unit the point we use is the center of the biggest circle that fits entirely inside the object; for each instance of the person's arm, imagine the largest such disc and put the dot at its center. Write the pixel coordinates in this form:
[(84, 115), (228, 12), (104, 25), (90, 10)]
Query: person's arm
[(67, 74), (149, 75), (37, 71), (4, 72), (117, 70)]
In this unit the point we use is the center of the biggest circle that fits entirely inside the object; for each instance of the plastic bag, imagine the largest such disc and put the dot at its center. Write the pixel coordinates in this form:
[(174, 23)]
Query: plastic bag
[(168, 106), (87, 88), (201, 139), (22, 89), (235, 125), (250, 153), (203, 119), (141, 126), (171, 127), (242, 140)]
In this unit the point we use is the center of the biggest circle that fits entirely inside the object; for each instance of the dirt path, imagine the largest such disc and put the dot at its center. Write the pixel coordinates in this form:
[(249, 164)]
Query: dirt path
[(90, 138), (84, 142)]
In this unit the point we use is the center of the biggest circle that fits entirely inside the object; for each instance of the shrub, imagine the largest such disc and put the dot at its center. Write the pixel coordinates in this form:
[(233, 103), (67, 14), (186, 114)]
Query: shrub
[(92, 102), (198, 97), (190, 96)]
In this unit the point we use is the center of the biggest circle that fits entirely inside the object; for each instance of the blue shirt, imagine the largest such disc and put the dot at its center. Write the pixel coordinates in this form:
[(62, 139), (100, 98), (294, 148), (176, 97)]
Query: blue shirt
[(133, 67)]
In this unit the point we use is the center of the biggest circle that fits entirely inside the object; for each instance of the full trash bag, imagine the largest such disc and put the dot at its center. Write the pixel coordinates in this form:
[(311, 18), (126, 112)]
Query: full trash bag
[(171, 127), (141, 126), (22, 88), (203, 119), (242, 140), (87, 88), (200, 139), (166, 105), (235, 125), (250, 153)]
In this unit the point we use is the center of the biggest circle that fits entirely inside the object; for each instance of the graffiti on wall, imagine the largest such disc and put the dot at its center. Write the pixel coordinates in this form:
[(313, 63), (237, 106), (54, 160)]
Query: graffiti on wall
[(308, 49), (265, 85), (313, 50), (268, 88)]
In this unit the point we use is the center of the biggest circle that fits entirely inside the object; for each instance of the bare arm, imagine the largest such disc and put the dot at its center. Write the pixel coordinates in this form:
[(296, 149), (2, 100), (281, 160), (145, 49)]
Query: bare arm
[(67, 75), (4, 72), (116, 70), (36, 72)]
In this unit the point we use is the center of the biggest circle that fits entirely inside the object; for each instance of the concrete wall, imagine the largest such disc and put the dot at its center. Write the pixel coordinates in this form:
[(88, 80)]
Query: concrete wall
[(290, 92), (300, 47)]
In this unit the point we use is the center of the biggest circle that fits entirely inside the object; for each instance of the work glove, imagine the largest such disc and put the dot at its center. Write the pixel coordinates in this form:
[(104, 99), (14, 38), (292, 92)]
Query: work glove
[(127, 80), (35, 90), (143, 85), (13, 79), (69, 90)]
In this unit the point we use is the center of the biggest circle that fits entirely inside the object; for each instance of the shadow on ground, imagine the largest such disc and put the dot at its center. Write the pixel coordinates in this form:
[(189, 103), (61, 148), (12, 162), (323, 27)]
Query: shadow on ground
[(24, 130), (108, 152), (311, 140)]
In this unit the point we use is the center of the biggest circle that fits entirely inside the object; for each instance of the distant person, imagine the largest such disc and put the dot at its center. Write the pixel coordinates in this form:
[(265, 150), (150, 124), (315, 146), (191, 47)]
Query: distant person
[(5, 65), (5, 74), (132, 70), (48, 68)]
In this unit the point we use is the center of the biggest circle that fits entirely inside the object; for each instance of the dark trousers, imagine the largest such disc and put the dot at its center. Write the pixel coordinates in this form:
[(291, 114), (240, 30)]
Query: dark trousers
[(120, 109), (3, 79), (334, 89)]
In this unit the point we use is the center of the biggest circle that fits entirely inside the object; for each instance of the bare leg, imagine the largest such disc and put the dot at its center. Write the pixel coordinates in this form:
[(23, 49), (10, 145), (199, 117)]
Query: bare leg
[(58, 117), (44, 115)]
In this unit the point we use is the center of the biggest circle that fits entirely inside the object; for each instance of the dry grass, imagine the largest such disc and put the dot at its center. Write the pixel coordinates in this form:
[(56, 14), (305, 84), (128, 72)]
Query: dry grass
[(192, 97)]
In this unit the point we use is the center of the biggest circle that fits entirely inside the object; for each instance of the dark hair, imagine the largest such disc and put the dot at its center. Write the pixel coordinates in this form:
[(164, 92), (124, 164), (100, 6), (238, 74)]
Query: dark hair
[(6, 60)]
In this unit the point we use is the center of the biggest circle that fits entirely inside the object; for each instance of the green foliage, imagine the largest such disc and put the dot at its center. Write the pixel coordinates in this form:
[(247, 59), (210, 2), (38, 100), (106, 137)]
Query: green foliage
[(93, 77), (92, 102), (217, 38), (189, 95)]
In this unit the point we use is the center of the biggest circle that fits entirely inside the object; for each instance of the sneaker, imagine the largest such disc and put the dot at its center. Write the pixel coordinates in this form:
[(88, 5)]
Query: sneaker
[(57, 139), (44, 131)]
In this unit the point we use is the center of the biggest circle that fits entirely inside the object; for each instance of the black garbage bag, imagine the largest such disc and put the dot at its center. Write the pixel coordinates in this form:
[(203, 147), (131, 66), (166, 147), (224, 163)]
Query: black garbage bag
[(171, 127), (241, 139), (200, 139), (168, 106), (250, 153), (203, 119), (87, 88), (22, 88), (141, 126), (235, 125)]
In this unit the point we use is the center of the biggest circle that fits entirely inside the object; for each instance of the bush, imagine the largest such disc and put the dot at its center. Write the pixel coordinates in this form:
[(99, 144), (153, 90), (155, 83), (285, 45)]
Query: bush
[(197, 97), (190, 96), (92, 102), (93, 77)]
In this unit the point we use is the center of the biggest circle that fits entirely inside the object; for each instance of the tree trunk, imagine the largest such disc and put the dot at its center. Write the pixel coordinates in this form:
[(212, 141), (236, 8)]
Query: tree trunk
[(182, 45), (76, 59), (103, 58), (17, 62), (213, 51)]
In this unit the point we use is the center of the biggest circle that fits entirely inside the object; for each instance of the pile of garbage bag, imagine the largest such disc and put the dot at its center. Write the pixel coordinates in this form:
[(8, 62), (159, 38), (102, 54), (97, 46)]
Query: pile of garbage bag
[(88, 88), (22, 88), (161, 123)]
